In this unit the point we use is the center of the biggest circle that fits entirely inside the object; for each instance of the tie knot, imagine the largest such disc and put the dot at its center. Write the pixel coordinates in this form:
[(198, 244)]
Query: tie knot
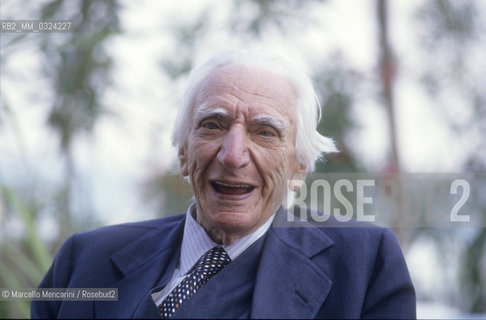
[(212, 261)]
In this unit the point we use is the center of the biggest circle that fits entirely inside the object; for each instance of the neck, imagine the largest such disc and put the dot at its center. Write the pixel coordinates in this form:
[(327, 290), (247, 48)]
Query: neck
[(217, 234), (220, 236)]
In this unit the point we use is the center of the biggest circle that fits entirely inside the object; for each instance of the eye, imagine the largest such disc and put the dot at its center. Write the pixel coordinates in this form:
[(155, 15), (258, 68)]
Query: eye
[(266, 133), (211, 125)]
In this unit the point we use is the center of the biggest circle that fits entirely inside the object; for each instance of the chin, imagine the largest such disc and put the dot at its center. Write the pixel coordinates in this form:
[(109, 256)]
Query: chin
[(233, 221)]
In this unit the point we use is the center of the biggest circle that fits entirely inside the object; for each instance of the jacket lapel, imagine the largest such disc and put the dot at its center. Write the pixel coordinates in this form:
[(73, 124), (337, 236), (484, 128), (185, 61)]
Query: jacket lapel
[(288, 283), (144, 263)]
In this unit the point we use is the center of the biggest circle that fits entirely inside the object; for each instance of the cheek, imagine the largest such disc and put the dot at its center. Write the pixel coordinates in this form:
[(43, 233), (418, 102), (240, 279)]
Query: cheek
[(199, 159), (274, 167)]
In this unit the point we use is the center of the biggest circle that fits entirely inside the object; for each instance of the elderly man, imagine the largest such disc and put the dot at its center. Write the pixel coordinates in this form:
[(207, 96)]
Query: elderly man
[(246, 127)]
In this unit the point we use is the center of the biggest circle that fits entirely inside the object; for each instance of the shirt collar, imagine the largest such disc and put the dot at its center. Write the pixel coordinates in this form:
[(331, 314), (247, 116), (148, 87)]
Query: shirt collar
[(196, 242)]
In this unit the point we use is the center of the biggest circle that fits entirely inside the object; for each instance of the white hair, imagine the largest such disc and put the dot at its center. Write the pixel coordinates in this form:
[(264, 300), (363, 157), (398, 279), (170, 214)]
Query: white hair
[(310, 146)]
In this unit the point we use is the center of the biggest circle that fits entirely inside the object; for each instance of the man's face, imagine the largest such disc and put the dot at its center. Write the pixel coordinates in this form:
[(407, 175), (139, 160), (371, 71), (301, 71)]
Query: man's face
[(241, 149)]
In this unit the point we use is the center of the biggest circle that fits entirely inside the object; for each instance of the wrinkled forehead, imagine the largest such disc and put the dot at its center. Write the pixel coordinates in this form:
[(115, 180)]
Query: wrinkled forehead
[(253, 86)]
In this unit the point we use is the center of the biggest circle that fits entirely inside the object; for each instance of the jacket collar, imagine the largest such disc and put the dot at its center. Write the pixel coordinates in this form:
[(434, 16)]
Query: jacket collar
[(288, 283), (141, 264), (152, 244)]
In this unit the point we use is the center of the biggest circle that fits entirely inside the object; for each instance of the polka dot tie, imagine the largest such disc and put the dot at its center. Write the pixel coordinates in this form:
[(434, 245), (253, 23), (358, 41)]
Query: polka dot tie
[(207, 266)]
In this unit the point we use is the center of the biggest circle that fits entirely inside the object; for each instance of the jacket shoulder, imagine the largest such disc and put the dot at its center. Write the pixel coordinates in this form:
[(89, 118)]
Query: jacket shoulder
[(350, 242), (368, 254), (101, 243)]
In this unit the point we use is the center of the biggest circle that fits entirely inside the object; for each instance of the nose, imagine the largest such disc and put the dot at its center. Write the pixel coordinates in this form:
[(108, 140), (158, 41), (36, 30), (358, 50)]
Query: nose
[(234, 153)]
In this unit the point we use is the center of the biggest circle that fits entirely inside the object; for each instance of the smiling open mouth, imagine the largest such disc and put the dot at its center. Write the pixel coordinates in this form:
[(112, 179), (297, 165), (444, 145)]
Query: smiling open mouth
[(231, 189)]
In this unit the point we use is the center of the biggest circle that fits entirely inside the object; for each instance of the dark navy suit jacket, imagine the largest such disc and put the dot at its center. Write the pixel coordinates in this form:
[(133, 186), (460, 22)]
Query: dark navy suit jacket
[(352, 270)]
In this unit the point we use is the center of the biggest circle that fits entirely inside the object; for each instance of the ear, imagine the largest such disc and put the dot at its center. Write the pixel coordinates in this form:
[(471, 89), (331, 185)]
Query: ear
[(183, 162), (298, 178)]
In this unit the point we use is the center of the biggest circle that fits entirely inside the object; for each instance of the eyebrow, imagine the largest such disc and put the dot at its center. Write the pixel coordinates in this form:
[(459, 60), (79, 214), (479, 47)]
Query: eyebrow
[(266, 119), (205, 112)]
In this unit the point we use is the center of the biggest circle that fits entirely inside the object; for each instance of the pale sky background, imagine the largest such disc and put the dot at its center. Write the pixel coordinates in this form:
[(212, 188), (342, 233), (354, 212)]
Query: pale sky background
[(124, 149)]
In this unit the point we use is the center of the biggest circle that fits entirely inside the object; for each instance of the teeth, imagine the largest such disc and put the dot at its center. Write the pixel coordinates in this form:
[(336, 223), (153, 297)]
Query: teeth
[(233, 185)]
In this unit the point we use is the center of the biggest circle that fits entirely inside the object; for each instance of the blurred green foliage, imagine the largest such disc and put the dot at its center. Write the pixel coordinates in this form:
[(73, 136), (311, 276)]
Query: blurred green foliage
[(24, 261), (77, 67)]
